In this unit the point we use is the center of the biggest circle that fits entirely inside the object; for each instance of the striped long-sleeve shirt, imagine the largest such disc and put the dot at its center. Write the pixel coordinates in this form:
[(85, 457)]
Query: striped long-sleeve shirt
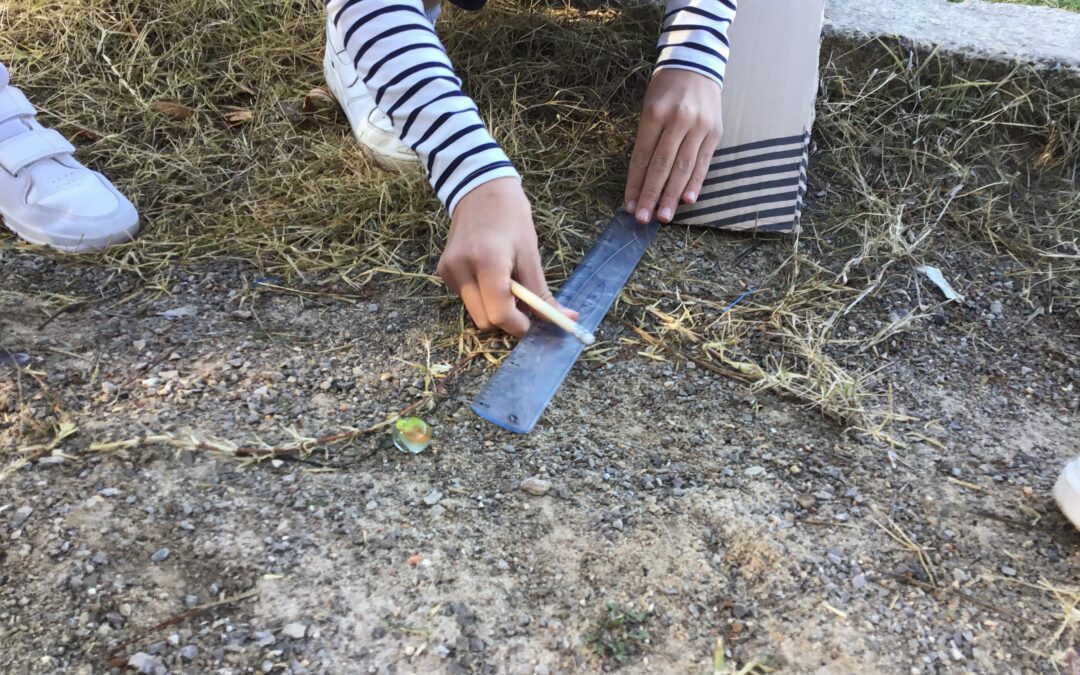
[(407, 71)]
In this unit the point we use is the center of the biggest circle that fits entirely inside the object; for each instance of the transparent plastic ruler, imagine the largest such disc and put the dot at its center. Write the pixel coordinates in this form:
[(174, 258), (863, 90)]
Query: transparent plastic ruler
[(528, 378)]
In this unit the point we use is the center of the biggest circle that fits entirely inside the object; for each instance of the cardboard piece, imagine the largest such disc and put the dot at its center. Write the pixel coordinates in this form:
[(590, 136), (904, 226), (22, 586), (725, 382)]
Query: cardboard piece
[(758, 175)]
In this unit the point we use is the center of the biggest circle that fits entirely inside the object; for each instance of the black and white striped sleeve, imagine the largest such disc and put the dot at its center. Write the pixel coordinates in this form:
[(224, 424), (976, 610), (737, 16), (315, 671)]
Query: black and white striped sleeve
[(694, 37), (406, 69)]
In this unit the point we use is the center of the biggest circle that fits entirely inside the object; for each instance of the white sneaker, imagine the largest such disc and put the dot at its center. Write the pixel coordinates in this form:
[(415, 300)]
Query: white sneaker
[(46, 196), (370, 126), (1067, 491)]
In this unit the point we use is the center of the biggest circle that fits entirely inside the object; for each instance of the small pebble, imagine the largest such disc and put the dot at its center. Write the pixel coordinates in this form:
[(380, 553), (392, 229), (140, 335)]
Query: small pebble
[(536, 486), (160, 554), (755, 471), (432, 498), (189, 652), (20, 516), (294, 630), (144, 663)]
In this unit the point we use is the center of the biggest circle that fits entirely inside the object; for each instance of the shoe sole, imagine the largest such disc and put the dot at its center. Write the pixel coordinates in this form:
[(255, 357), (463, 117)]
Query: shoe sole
[(33, 235), (1067, 492), (337, 90)]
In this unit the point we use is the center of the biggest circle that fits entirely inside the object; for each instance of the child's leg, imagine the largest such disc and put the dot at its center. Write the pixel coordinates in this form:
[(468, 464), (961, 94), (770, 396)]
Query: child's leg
[(46, 196), (373, 129)]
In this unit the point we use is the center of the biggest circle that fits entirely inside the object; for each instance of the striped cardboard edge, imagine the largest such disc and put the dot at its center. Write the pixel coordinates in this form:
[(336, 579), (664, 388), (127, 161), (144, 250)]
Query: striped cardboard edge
[(756, 186)]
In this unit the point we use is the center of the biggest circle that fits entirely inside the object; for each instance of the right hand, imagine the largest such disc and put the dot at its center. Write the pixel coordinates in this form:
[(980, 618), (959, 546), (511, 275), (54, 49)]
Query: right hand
[(492, 239)]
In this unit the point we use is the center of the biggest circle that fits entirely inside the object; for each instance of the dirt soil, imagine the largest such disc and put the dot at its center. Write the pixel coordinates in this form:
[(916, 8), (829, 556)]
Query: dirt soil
[(690, 506)]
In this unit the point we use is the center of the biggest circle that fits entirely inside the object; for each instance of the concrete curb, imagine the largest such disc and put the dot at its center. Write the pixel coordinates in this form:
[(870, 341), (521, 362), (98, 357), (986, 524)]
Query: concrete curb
[(1042, 36)]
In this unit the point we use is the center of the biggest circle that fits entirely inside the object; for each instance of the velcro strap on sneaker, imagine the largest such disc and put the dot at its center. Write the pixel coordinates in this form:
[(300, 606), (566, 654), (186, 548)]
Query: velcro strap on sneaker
[(24, 149), (13, 103)]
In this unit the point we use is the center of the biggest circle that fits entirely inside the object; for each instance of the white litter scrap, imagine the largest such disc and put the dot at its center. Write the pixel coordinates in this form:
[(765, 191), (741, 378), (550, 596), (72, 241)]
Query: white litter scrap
[(939, 280)]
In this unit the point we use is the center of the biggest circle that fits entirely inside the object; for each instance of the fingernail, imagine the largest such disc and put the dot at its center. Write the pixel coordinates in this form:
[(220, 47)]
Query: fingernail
[(691, 197), (643, 215), (665, 214), (630, 206)]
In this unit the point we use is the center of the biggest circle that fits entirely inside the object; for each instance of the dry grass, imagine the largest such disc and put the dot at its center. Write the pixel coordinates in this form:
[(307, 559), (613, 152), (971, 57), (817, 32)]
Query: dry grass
[(203, 112), (210, 114)]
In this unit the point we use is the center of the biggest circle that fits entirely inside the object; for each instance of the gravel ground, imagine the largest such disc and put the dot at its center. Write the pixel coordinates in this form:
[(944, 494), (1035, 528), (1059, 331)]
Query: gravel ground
[(693, 507)]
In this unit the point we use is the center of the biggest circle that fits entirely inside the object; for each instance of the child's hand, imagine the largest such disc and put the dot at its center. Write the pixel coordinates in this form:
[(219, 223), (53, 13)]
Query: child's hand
[(679, 131), (492, 239)]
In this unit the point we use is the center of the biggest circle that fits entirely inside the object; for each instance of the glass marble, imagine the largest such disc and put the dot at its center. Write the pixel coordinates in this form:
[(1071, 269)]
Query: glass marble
[(411, 434)]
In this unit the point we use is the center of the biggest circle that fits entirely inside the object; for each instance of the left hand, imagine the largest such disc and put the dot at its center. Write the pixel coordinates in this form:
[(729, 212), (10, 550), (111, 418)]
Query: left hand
[(678, 134)]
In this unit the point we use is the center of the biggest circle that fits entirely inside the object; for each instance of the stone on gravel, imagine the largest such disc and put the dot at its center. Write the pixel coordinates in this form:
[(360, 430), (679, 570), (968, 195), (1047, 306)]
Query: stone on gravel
[(536, 486), (294, 630), (20, 516), (432, 498), (144, 663), (755, 471), (189, 652), (160, 554)]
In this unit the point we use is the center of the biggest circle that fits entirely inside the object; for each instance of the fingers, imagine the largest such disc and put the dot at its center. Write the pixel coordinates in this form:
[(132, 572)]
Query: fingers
[(701, 169), (474, 303), (660, 167), (685, 164), (500, 305), (647, 137), (531, 275)]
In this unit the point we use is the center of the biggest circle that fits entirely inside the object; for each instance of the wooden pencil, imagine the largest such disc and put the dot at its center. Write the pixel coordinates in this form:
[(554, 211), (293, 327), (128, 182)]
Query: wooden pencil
[(550, 313)]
